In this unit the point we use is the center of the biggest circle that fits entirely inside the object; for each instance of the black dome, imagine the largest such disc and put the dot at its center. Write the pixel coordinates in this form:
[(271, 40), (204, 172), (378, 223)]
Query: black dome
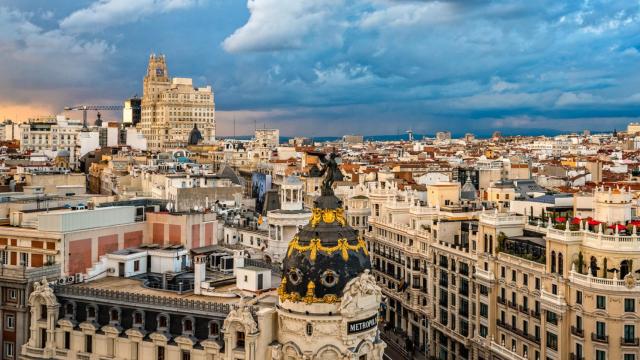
[(324, 255), (195, 136)]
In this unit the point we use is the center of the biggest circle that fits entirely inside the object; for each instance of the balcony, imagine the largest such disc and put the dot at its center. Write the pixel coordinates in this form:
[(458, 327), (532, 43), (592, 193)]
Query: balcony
[(573, 356), (512, 305), (603, 339), (629, 342), (535, 314), (602, 283), (524, 310), (504, 352), (484, 275), (577, 332)]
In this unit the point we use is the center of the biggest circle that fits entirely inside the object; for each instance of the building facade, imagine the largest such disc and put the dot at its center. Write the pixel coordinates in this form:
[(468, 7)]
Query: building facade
[(171, 108)]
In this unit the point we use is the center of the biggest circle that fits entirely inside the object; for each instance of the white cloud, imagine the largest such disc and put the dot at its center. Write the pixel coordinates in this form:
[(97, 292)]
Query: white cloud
[(498, 85), (105, 13), (408, 14), (286, 24)]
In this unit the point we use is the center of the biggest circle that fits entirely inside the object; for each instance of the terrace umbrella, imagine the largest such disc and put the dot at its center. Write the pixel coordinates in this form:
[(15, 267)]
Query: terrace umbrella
[(634, 223), (561, 219), (619, 226), (592, 222), (576, 221)]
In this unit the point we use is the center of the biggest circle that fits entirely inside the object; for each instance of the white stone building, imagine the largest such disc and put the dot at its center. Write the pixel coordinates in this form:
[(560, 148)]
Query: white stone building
[(171, 108)]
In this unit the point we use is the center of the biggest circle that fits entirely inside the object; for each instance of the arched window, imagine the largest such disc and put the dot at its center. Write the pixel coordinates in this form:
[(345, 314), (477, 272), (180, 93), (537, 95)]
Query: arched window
[(560, 263), (624, 268), (553, 261)]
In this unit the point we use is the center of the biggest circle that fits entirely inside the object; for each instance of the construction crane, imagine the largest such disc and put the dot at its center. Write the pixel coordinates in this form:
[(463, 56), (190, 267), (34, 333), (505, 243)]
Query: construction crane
[(85, 108)]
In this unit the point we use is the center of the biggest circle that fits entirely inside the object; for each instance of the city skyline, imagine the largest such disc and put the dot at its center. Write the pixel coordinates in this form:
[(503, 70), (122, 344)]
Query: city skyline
[(327, 67)]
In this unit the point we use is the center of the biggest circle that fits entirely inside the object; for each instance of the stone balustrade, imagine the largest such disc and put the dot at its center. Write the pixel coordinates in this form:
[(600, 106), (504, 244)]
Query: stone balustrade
[(113, 296), (602, 283)]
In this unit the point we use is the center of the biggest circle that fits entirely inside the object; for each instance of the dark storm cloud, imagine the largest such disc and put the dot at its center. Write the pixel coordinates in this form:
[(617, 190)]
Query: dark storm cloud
[(332, 66)]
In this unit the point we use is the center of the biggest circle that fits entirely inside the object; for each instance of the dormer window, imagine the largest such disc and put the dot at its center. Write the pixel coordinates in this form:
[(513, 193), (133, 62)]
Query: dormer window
[(138, 319), (91, 312), (114, 315), (187, 326), (69, 310), (214, 329), (163, 320)]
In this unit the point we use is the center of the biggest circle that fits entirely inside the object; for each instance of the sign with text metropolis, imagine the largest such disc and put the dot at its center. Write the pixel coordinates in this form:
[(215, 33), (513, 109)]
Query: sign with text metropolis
[(362, 325)]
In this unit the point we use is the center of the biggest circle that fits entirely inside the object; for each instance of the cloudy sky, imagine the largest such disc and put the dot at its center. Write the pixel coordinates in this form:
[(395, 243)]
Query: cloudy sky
[(329, 67)]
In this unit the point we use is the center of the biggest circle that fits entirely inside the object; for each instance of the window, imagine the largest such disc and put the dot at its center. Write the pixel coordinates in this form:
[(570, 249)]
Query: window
[(12, 294), (552, 341), (484, 310), (9, 322), (513, 275), (629, 357), (187, 326), (552, 317), (578, 297), (629, 333), (160, 352), (137, 318), (114, 315), (483, 331), (67, 340), (601, 355), (525, 279), (601, 329), (214, 329), (136, 265), (502, 272), (88, 344), (91, 312), (162, 321), (601, 302), (186, 355), (9, 350), (629, 305), (240, 339), (537, 284), (309, 329)]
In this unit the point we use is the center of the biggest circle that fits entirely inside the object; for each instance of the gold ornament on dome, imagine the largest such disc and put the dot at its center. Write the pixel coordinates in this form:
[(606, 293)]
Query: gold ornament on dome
[(315, 245), (328, 216), (309, 298)]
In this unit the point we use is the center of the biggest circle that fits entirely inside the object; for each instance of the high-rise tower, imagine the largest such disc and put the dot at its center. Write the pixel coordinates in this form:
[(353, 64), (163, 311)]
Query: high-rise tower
[(172, 107)]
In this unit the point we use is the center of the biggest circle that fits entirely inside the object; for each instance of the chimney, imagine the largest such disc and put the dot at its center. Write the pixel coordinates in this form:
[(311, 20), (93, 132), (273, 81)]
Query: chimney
[(199, 272)]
